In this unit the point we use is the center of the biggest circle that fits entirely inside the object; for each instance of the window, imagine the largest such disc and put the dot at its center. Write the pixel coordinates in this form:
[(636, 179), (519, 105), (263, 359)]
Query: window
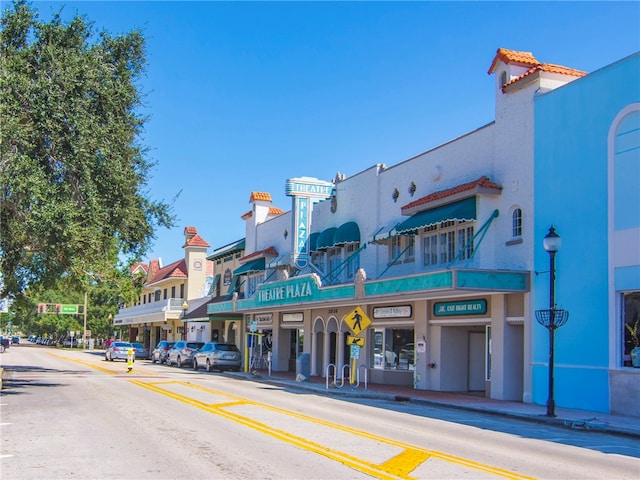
[(631, 325), (444, 242), (402, 249), (393, 348), (354, 263), (252, 283), (173, 292), (516, 223), (164, 294)]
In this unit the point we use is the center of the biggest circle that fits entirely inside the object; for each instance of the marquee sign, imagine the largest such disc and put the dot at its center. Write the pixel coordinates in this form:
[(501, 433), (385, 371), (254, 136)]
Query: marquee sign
[(304, 191)]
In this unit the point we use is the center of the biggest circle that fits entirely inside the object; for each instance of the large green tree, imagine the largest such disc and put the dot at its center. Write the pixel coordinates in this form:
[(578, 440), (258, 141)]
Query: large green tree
[(73, 171)]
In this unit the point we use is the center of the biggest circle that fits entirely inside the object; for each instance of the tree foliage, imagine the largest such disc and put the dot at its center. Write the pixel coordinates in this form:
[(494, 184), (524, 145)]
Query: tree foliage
[(73, 171)]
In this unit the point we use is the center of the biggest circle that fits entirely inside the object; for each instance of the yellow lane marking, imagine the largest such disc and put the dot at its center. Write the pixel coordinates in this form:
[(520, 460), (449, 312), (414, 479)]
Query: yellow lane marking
[(398, 467), (406, 461), (102, 369), (348, 460)]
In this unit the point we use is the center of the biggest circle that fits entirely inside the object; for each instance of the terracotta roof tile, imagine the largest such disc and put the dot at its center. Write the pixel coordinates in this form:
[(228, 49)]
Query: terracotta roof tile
[(275, 211), (260, 253), (177, 269), (246, 215), (547, 67), (512, 56), (196, 241), (190, 230), (139, 266), (482, 182), (260, 196)]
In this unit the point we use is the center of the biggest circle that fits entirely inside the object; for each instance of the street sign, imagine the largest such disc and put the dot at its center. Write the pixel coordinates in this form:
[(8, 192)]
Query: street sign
[(359, 341), (355, 352), (357, 320), (70, 309)]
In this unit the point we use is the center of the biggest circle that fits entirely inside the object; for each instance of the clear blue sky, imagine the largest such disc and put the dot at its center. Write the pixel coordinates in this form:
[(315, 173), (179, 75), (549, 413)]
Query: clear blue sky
[(243, 95)]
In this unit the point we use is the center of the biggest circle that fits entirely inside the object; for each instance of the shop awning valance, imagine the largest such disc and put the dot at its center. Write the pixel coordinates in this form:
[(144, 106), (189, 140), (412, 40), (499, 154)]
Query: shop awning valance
[(347, 233), (325, 239), (249, 267), (462, 210)]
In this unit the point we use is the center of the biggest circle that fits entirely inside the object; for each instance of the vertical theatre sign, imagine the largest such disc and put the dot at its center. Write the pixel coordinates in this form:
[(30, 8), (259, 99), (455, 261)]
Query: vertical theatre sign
[(305, 191)]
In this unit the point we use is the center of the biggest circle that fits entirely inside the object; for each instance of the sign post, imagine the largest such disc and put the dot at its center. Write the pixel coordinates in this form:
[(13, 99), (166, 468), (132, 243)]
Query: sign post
[(357, 321)]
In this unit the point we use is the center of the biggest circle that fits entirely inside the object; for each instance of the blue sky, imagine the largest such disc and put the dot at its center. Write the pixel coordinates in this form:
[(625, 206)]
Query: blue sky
[(243, 95)]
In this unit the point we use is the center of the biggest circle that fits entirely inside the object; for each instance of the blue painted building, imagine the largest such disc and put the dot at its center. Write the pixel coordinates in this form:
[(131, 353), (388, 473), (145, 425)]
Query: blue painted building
[(587, 184)]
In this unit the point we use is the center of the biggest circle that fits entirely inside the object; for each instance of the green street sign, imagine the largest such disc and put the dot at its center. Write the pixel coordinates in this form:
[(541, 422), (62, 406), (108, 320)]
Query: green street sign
[(72, 309)]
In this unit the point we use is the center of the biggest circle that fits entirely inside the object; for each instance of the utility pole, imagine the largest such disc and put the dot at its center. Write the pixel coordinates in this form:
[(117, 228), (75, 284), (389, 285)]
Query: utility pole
[(84, 331)]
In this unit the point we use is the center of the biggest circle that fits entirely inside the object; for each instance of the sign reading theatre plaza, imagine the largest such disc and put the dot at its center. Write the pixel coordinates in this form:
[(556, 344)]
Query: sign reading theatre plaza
[(285, 292)]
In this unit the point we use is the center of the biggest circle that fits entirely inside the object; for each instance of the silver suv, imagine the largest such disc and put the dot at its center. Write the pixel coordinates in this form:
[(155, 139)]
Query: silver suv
[(182, 352)]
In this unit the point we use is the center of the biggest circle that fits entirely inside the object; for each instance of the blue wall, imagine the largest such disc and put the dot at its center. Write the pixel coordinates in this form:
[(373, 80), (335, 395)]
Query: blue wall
[(571, 128)]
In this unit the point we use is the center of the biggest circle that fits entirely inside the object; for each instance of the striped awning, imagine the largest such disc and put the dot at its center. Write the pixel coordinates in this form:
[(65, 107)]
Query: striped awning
[(462, 210)]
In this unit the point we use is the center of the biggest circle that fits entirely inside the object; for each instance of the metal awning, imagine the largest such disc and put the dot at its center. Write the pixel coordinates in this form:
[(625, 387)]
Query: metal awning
[(347, 233), (464, 210), (249, 267), (325, 239)]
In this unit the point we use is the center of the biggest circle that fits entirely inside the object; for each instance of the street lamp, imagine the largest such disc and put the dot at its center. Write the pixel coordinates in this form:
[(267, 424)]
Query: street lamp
[(552, 318), (185, 308)]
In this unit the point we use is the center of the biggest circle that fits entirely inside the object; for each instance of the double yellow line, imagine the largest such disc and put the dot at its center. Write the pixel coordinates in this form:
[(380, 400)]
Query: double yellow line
[(397, 467)]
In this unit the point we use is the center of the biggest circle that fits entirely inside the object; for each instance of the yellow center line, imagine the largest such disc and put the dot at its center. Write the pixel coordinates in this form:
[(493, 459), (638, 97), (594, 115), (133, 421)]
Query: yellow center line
[(398, 467)]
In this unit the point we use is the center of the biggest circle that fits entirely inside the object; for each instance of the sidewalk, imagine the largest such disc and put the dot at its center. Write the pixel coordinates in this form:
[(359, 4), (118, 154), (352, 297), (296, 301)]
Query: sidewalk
[(576, 419)]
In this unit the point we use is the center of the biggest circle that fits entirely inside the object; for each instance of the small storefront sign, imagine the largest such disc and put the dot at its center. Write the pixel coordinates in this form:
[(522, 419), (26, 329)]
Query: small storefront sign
[(466, 307), (398, 311)]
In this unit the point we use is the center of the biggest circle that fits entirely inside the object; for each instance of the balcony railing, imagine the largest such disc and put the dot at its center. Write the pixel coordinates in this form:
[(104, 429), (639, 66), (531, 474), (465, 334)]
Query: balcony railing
[(168, 305)]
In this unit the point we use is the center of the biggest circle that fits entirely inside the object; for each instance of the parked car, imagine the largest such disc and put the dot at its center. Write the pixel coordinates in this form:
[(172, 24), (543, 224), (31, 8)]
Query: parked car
[(118, 351), (182, 352), (141, 351), (159, 353), (15, 340), (218, 356), (70, 342), (4, 343)]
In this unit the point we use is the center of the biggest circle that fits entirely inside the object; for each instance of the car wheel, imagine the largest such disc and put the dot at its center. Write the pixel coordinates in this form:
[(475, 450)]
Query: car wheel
[(179, 362), (208, 366), (153, 359), (106, 359), (195, 364)]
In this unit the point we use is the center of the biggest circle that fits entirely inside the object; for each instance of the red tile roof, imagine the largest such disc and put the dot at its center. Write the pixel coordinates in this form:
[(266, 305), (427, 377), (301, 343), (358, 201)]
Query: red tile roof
[(260, 196), (547, 67), (196, 241), (482, 182), (272, 211), (526, 59), (261, 253), (190, 230), (176, 269), (513, 57), (139, 266)]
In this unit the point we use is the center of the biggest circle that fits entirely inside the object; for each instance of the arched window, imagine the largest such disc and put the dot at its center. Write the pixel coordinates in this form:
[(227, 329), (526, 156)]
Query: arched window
[(516, 223)]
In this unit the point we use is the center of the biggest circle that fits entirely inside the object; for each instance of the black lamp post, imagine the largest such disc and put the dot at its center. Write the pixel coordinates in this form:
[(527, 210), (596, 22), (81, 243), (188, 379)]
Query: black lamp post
[(552, 318), (185, 308)]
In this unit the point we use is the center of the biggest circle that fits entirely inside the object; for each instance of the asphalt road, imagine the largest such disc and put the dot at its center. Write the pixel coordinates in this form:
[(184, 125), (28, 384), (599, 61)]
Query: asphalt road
[(70, 414)]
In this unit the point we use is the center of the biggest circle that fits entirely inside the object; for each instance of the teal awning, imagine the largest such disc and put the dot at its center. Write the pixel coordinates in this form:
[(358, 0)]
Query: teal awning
[(347, 233), (462, 210), (325, 240), (254, 266), (313, 241)]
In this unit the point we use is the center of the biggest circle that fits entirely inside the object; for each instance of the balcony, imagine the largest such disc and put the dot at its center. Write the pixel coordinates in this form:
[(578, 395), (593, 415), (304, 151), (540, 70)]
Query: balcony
[(160, 311)]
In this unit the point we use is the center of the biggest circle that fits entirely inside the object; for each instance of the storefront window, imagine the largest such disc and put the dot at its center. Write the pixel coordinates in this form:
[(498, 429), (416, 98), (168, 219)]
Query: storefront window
[(394, 348), (631, 334)]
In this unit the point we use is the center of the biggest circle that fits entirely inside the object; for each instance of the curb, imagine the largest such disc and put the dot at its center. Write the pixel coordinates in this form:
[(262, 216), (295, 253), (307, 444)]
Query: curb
[(594, 427)]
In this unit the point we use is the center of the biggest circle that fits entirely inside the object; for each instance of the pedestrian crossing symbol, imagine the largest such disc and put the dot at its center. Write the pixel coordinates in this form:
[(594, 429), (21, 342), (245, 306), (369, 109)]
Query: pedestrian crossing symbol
[(357, 321)]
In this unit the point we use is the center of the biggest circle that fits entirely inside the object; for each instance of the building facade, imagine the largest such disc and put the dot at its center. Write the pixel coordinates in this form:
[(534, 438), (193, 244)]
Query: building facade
[(425, 266), (587, 184), (166, 295)]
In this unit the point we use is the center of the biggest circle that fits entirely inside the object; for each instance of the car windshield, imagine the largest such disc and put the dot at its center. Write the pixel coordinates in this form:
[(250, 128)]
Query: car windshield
[(195, 344), (138, 345), (121, 344), (227, 347)]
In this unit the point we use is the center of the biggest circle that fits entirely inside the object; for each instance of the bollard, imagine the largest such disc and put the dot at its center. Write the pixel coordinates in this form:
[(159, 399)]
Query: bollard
[(130, 359)]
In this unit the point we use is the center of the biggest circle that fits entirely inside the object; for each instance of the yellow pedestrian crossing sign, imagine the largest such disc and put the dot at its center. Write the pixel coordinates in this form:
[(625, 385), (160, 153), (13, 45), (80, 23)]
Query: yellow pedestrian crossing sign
[(357, 321), (359, 341)]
